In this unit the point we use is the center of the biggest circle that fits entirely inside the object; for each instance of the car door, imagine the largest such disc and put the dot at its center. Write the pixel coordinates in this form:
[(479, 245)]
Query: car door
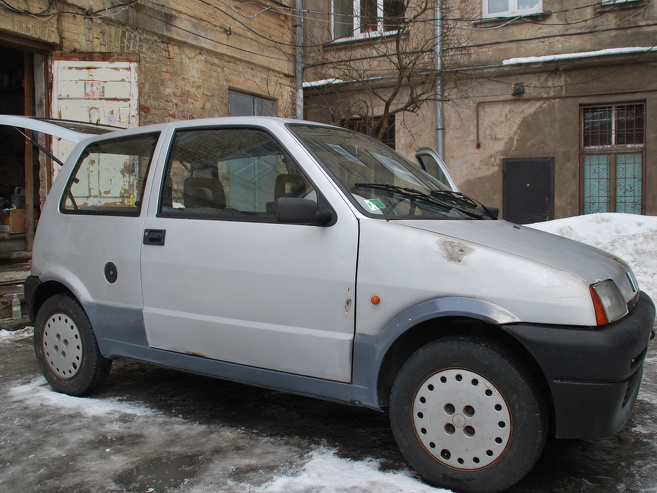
[(433, 164), (223, 280)]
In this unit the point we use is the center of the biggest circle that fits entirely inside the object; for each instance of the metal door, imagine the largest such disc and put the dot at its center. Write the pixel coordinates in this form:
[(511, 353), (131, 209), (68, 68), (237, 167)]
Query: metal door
[(528, 190)]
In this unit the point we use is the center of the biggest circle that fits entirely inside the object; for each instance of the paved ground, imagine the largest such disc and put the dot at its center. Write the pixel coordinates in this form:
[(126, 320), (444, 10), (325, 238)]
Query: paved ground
[(155, 430)]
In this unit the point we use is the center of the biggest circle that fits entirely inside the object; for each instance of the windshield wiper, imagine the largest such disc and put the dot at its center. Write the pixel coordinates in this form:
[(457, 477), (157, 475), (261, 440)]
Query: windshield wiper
[(467, 199), (436, 199)]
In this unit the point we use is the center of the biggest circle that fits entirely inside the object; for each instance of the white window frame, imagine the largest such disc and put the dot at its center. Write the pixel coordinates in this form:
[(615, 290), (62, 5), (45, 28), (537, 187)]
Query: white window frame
[(356, 27), (609, 2), (513, 11)]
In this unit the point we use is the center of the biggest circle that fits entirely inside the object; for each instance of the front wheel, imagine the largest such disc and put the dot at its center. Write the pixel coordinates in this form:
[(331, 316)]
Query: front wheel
[(467, 415), (66, 347)]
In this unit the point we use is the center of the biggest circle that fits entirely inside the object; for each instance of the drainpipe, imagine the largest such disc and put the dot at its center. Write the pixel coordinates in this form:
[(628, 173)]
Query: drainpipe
[(298, 69), (438, 50)]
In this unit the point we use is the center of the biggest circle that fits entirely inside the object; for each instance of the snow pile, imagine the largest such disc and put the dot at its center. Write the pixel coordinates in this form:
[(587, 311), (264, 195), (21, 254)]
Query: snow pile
[(327, 473), (11, 335), (38, 393), (630, 237)]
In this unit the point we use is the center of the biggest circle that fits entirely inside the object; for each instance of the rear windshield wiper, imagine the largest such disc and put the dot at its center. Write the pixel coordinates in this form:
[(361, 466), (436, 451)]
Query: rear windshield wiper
[(436, 199)]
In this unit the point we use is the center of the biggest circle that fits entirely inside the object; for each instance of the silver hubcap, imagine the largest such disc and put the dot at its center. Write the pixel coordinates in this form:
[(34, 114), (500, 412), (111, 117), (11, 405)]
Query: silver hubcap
[(62, 346), (461, 419)]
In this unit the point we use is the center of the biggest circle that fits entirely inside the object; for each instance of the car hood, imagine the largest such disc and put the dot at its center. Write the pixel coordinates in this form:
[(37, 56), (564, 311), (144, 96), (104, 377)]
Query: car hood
[(589, 263)]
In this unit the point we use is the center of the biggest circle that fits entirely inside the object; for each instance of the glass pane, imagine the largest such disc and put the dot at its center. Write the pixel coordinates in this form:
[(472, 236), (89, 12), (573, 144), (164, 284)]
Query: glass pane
[(343, 18), (236, 172), (368, 16), (240, 104), (110, 177), (630, 122), (393, 14), (628, 183), (264, 107), (596, 126), (498, 6), (378, 180), (528, 4), (596, 184)]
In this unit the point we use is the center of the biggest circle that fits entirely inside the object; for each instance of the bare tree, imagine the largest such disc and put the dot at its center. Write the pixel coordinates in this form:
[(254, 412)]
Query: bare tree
[(391, 70)]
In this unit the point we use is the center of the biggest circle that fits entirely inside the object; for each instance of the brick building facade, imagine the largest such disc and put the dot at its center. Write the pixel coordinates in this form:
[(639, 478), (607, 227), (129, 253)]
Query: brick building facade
[(132, 63)]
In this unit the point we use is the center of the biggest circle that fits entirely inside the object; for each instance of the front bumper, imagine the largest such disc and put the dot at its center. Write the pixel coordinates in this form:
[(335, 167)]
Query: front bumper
[(594, 374)]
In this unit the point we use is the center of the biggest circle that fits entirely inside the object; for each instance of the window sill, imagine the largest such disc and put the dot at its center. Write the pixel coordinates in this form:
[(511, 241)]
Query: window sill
[(375, 35)]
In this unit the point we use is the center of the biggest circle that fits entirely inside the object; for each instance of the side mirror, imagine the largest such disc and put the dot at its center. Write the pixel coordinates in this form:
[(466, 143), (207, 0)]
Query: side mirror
[(291, 210)]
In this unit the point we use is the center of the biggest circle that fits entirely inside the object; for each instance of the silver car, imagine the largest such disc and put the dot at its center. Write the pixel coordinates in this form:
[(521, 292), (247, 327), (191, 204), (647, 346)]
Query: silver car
[(315, 260)]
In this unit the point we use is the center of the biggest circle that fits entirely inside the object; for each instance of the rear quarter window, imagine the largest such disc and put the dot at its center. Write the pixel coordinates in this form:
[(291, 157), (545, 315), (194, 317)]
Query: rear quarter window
[(109, 177)]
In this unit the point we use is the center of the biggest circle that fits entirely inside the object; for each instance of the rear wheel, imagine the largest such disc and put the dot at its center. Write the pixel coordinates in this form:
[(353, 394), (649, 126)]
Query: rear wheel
[(467, 415), (66, 347)]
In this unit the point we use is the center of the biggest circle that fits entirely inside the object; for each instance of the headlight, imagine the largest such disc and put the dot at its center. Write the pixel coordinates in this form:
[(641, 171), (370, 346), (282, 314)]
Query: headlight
[(608, 302)]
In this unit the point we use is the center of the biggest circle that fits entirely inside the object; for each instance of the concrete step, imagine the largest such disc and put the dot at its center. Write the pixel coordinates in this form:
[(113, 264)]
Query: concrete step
[(12, 242), (14, 268), (15, 274)]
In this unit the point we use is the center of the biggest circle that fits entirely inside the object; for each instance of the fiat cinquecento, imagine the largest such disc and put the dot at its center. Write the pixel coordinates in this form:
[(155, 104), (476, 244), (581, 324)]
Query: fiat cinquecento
[(315, 260)]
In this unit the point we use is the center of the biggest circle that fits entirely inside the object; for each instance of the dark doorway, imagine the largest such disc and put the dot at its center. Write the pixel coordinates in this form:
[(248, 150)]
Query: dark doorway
[(528, 189), (15, 96)]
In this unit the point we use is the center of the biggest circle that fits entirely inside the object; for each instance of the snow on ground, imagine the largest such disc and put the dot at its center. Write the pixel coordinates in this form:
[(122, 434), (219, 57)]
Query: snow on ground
[(38, 393), (630, 237), (9, 335), (320, 473)]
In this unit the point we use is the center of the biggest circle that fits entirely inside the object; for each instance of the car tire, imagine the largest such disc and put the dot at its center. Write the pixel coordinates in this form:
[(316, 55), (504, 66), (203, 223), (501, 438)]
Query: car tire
[(467, 415), (66, 347)]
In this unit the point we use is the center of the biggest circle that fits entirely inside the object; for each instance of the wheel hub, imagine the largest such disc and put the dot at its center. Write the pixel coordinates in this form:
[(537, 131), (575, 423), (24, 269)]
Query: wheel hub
[(62, 346), (461, 419)]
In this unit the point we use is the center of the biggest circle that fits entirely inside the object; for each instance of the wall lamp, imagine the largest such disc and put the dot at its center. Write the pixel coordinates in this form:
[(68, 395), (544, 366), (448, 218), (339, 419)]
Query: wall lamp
[(518, 89)]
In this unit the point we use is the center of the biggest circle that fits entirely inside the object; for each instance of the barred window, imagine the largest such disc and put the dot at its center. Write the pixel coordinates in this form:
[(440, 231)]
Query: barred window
[(613, 158)]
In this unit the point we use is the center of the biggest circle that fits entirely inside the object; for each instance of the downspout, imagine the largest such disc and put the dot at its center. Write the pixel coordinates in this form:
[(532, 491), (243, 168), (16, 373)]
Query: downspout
[(438, 50), (298, 69)]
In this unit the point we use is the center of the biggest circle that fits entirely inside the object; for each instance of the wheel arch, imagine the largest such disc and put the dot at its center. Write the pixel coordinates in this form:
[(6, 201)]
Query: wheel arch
[(38, 292), (440, 327), (431, 320)]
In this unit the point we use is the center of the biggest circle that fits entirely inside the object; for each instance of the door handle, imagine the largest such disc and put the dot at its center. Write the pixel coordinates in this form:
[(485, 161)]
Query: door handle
[(154, 236)]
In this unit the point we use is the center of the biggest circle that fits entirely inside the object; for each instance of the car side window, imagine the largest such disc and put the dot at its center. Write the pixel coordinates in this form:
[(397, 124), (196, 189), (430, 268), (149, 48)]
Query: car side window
[(229, 174), (109, 177)]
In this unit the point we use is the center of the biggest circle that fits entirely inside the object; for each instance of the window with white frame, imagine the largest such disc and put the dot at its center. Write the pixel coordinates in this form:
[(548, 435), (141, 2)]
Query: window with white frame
[(511, 8), (362, 18)]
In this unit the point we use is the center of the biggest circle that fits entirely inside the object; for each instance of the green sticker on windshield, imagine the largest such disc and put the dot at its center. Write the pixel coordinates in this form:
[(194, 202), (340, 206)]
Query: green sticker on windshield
[(374, 204)]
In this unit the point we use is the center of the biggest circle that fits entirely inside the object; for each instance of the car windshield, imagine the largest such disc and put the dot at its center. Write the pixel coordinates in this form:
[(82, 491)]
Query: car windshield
[(381, 182)]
